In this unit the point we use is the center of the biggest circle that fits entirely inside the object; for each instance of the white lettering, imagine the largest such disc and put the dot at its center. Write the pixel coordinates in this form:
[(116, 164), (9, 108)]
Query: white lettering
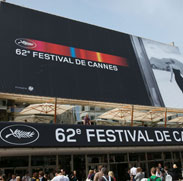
[(89, 134), (112, 137), (133, 137), (174, 135), (59, 134), (100, 135), (159, 136), (141, 136), (167, 136), (147, 136), (71, 135), (35, 54), (119, 134), (126, 136)]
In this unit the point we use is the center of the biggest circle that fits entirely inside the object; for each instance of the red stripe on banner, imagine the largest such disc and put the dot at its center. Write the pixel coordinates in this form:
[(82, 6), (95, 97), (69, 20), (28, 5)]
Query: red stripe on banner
[(51, 48), (80, 53)]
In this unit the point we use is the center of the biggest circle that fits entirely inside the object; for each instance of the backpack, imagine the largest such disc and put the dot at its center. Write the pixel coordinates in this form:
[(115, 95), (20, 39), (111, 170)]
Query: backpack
[(168, 177), (153, 179), (106, 178)]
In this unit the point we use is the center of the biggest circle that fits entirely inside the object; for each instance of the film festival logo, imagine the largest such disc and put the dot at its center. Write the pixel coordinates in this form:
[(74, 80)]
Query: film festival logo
[(24, 43), (67, 54), (19, 134)]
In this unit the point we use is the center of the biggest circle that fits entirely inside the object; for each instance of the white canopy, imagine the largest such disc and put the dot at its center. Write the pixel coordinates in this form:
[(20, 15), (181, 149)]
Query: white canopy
[(126, 115), (45, 108), (176, 120), (34, 118)]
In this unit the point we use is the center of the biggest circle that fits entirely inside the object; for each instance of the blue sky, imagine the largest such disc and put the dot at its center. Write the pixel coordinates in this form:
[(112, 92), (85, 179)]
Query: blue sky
[(159, 20)]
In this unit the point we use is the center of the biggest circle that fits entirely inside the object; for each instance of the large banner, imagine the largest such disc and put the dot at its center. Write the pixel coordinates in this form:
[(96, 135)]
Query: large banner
[(46, 55), (162, 70), (167, 66), (57, 135)]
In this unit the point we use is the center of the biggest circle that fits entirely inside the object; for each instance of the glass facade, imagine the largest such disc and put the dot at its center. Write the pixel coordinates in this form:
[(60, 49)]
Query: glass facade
[(119, 163)]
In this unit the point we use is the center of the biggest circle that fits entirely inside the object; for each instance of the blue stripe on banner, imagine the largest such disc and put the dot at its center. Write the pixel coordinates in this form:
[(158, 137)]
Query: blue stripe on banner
[(73, 54)]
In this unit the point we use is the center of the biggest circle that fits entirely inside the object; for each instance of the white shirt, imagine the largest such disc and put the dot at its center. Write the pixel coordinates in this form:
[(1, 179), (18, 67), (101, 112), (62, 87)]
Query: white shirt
[(60, 178), (26, 178), (13, 179), (133, 171)]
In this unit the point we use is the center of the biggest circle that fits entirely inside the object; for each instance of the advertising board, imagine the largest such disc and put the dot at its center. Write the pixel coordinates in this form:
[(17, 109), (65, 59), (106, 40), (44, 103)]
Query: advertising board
[(47, 55), (57, 135)]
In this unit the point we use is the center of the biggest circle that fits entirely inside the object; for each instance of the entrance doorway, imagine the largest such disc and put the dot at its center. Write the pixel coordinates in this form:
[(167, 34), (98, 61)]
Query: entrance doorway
[(120, 171)]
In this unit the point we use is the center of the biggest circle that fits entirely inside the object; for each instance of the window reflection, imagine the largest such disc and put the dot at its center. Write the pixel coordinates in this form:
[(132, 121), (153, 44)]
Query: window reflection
[(43, 160), (14, 161)]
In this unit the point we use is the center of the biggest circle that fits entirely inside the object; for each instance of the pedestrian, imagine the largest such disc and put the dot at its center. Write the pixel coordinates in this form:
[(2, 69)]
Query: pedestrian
[(60, 176), (13, 177), (87, 120), (99, 174), (160, 167), (176, 173), (133, 172), (167, 174), (90, 174), (105, 176), (41, 176), (18, 178), (26, 177), (139, 174), (153, 175), (158, 172), (111, 174), (73, 176), (35, 177)]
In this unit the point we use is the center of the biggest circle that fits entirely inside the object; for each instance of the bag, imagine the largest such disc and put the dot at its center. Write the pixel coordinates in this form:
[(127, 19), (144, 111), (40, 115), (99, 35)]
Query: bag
[(168, 177), (106, 178)]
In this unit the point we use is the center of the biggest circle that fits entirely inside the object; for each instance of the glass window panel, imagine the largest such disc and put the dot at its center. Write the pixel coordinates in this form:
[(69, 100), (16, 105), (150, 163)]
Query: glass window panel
[(14, 161), (97, 158), (176, 155), (154, 156), (142, 156), (118, 157), (64, 162), (79, 166), (167, 155), (43, 160), (133, 157)]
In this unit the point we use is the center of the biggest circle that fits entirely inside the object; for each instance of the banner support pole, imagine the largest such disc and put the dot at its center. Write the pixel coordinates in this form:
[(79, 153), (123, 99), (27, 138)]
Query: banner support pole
[(55, 115), (165, 117), (132, 110)]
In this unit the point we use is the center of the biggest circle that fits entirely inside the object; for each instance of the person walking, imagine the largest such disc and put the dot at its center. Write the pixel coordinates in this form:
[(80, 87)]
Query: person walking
[(60, 176), (105, 176), (139, 175), (111, 174), (99, 174), (153, 175)]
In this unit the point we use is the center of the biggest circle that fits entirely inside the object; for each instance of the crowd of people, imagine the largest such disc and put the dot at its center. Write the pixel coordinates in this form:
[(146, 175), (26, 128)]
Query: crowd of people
[(60, 175), (101, 175), (158, 173)]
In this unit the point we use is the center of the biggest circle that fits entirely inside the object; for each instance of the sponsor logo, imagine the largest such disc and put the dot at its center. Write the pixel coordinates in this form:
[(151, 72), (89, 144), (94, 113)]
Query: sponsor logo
[(25, 43), (19, 134), (30, 88)]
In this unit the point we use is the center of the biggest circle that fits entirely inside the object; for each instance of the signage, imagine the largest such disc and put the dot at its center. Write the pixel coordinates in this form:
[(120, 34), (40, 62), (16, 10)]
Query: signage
[(19, 134), (57, 135), (47, 55)]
